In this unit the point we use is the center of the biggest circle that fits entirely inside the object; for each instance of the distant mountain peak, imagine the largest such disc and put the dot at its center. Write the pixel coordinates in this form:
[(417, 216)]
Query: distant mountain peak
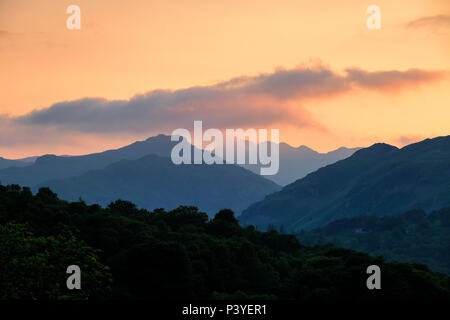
[(45, 158), (287, 148), (304, 148), (376, 150), (160, 136)]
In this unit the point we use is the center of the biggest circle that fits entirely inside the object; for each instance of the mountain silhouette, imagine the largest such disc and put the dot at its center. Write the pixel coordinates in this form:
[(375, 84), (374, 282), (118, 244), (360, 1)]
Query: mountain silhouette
[(296, 163), (379, 180), (155, 182), (50, 167), (8, 163)]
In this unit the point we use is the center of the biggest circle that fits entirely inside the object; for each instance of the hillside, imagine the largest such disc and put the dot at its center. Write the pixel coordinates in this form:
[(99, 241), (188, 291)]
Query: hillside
[(296, 163), (8, 163), (412, 236), (379, 180), (155, 182), (50, 167)]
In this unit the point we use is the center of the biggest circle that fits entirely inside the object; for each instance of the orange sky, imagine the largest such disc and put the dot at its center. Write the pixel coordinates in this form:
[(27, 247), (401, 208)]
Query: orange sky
[(129, 47)]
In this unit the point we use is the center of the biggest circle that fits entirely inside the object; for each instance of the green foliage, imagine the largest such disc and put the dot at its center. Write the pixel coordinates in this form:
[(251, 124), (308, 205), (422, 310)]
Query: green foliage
[(35, 267), (178, 254), (412, 237)]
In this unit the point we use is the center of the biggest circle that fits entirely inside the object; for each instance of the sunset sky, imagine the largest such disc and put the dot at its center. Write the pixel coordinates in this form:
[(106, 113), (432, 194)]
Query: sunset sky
[(138, 68)]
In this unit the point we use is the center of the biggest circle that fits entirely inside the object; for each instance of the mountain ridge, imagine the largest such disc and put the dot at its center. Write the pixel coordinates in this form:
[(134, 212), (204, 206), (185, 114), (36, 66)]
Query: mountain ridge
[(294, 162), (155, 182), (381, 179)]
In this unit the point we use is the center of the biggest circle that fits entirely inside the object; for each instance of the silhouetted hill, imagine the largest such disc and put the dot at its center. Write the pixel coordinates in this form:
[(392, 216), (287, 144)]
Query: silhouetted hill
[(413, 236), (7, 163), (155, 182), (58, 167), (380, 180), (296, 163)]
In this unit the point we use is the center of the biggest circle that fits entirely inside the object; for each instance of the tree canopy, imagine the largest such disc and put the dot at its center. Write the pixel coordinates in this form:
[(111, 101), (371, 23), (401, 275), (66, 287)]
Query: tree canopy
[(130, 253)]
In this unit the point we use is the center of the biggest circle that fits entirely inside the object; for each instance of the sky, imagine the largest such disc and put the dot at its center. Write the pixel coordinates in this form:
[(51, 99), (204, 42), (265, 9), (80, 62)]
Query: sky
[(136, 68)]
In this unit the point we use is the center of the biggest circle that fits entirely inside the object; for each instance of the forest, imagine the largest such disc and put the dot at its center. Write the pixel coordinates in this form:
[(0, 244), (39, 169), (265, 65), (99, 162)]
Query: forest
[(413, 236), (129, 253)]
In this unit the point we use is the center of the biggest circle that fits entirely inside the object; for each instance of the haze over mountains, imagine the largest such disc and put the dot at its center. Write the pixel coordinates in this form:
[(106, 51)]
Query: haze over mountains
[(154, 181), (296, 163), (50, 167), (130, 173), (8, 163), (379, 180)]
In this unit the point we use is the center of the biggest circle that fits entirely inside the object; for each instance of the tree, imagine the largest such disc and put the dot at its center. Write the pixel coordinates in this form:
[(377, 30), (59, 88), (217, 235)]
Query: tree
[(35, 267)]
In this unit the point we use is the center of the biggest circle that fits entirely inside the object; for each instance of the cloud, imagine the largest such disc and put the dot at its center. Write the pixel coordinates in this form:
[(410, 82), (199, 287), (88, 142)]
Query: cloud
[(393, 79), (251, 101), (440, 21), (18, 140), (406, 140), (14, 134)]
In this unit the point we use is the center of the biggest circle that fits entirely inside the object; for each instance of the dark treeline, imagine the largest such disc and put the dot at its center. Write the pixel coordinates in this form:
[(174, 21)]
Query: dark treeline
[(413, 236), (129, 253)]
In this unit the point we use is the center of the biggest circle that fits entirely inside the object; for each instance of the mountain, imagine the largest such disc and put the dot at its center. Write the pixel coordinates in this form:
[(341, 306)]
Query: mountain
[(379, 180), (7, 163), (296, 163), (155, 182), (50, 167), (150, 181), (413, 236)]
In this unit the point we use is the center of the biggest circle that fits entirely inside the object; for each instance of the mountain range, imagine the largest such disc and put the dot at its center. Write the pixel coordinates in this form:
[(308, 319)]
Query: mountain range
[(130, 173), (296, 163), (8, 163), (50, 167), (155, 182), (379, 180), (142, 172)]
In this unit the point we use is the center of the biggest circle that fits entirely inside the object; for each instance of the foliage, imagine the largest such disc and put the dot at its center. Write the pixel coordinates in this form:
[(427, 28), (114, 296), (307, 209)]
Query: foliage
[(179, 254), (35, 267), (412, 236)]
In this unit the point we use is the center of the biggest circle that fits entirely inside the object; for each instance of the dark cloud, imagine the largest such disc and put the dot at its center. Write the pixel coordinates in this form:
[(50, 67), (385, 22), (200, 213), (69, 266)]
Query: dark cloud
[(16, 134), (297, 83), (257, 101), (430, 21), (391, 80)]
